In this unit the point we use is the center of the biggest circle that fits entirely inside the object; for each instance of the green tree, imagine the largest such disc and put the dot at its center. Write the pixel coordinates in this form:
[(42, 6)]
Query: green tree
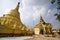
[(58, 16), (58, 8)]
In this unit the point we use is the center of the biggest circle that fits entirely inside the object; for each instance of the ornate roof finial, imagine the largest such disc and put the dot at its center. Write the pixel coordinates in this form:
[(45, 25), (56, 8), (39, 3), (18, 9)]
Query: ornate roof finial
[(41, 19), (17, 7)]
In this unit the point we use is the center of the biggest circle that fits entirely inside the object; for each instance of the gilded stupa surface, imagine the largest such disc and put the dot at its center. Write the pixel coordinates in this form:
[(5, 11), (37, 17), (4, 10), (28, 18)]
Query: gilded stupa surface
[(12, 21)]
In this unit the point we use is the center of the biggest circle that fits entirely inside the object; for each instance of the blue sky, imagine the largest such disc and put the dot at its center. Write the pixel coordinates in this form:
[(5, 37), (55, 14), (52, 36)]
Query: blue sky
[(31, 10)]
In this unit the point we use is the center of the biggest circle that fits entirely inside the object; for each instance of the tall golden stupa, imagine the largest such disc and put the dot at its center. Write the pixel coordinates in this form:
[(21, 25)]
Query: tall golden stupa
[(11, 23)]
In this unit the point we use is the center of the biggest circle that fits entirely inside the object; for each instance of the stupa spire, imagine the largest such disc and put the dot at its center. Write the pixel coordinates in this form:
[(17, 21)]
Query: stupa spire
[(41, 19), (14, 12), (17, 7)]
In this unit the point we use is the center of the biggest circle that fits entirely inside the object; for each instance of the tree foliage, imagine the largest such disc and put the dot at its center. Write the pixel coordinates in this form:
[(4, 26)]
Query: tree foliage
[(58, 3), (58, 16), (58, 8)]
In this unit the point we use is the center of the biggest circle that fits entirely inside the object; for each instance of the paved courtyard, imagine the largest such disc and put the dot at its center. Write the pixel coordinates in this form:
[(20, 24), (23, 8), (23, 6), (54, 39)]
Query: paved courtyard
[(34, 37), (15, 38), (41, 37)]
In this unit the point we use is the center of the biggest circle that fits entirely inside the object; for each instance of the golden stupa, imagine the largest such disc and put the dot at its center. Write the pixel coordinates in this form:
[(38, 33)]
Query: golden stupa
[(11, 23), (44, 27)]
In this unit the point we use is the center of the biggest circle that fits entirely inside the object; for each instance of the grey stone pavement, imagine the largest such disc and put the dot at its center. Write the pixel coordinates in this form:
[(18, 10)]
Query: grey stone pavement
[(34, 37), (42, 37)]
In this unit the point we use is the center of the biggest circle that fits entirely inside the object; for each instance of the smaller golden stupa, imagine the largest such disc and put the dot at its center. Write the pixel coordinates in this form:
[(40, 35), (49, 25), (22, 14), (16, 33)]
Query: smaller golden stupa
[(43, 27)]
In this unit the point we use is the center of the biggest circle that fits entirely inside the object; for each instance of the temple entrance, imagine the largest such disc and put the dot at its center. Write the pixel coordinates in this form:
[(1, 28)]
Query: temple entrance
[(37, 31), (41, 30)]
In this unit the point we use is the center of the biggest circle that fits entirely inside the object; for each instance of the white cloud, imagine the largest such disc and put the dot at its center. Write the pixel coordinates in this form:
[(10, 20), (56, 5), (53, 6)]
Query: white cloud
[(39, 12), (34, 7), (31, 10), (49, 10), (6, 11)]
